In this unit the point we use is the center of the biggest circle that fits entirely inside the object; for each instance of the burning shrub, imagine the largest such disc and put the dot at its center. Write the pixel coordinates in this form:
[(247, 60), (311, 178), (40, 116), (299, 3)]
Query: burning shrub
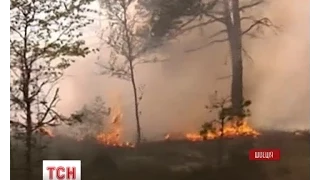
[(101, 124), (206, 129), (226, 124)]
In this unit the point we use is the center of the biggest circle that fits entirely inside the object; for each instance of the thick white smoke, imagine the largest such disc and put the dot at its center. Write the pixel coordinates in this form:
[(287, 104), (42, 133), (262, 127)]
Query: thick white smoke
[(176, 92), (279, 77)]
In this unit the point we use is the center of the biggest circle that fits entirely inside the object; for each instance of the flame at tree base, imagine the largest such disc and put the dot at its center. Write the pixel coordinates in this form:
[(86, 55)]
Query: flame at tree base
[(231, 129)]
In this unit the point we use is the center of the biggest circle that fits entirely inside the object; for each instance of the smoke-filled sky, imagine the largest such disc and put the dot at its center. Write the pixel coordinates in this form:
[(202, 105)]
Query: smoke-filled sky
[(276, 80)]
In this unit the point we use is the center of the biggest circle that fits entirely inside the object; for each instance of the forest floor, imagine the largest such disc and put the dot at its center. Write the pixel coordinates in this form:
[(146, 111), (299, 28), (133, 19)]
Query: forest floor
[(183, 160)]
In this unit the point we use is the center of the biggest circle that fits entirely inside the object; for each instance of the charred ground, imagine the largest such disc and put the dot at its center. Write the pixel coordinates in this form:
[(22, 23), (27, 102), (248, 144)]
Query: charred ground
[(178, 160)]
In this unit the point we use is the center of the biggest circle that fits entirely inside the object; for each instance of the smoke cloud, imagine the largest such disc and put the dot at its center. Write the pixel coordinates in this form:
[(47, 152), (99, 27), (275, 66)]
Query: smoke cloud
[(277, 80)]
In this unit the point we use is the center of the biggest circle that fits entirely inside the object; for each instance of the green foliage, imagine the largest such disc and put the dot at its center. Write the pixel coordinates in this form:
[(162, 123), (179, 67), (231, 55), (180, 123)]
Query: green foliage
[(45, 37)]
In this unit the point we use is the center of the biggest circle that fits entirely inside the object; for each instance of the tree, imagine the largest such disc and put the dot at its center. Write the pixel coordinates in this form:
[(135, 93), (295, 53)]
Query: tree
[(44, 39), (223, 106), (129, 46), (173, 18)]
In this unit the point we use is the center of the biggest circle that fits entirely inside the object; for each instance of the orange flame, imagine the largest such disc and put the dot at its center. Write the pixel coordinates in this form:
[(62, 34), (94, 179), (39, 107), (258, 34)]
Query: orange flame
[(231, 129), (112, 135)]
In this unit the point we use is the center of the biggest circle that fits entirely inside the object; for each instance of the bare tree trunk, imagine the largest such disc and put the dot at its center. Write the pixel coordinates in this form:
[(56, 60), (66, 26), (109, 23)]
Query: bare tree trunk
[(221, 145), (130, 58), (12, 151), (136, 103), (234, 36), (28, 151), (26, 75), (235, 42)]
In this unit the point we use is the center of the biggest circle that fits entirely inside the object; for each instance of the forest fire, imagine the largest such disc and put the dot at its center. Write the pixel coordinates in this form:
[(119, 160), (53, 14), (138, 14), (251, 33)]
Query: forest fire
[(231, 129), (112, 135)]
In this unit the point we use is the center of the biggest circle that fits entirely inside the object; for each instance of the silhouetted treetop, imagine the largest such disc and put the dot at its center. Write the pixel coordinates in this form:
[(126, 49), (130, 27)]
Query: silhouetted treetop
[(170, 18), (167, 14)]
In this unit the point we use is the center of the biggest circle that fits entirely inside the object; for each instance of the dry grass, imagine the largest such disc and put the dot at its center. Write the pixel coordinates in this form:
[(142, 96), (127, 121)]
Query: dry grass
[(155, 160), (295, 156)]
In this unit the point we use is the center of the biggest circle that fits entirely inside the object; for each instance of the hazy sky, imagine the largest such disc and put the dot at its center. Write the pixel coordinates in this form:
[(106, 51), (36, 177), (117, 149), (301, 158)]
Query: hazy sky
[(176, 92)]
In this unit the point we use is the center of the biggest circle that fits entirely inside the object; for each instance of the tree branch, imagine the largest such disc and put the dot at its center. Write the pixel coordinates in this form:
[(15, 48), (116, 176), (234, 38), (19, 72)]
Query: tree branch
[(113, 71), (256, 23), (154, 60), (208, 44), (49, 107), (248, 6), (182, 31), (17, 124)]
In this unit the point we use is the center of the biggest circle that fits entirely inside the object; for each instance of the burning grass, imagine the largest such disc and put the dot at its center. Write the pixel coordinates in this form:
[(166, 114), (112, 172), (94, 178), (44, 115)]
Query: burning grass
[(106, 156), (231, 129), (112, 134), (155, 159)]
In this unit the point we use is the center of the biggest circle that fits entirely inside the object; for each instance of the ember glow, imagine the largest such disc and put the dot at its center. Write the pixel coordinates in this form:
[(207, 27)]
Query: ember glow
[(231, 129)]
